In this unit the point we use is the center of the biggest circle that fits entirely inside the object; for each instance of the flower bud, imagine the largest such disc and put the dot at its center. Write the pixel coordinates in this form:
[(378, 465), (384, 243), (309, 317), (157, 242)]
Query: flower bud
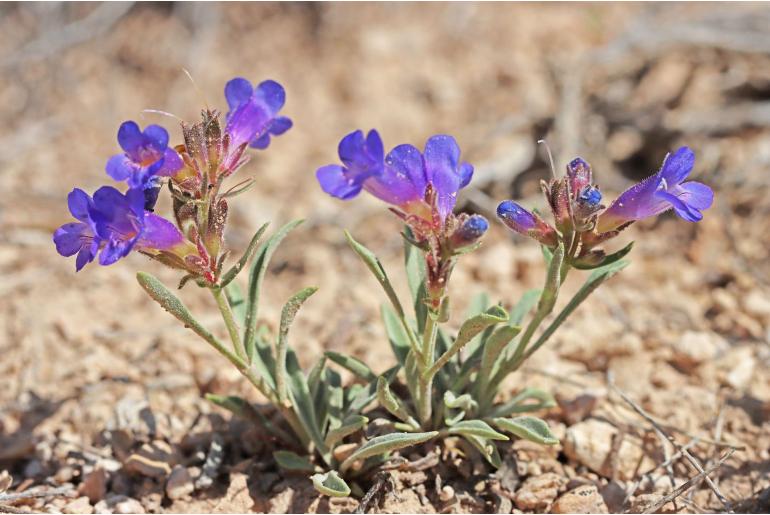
[(529, 224), (469, 232)]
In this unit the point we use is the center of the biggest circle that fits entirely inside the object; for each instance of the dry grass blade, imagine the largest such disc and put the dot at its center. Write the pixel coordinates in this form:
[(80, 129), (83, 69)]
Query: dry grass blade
[(652, 508), (693, 461)]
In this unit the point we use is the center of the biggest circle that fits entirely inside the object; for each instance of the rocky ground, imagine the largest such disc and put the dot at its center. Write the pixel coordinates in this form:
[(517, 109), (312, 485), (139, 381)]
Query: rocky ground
[(664, 372)]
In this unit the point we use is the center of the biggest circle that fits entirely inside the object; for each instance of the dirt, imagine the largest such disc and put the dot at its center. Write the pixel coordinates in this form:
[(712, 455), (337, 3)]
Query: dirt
[(101, 392)]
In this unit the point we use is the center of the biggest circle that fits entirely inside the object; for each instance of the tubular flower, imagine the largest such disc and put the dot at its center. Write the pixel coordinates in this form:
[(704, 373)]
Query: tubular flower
[(660, 192), (113, 224), (145, 156), (524, 222), (402, 178), (253, 115)]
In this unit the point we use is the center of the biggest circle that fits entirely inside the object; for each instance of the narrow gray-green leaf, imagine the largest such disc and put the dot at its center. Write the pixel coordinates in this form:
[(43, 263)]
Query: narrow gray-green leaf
[(477, 428), (171, 303), (349, 426), (302, 402), (389, 401), (399, 340), (595, 280), (608, 260), (374, 265), (287, 318), (493, 348), (414, 261), (256, 276), (463, 402), (486, 448), (237, 302), (386, 443), (330, 484), (237, 267), (524, 306), (469, 329), (529, 428), (291, 461), (518, 404), (355, 365), (368, 393)]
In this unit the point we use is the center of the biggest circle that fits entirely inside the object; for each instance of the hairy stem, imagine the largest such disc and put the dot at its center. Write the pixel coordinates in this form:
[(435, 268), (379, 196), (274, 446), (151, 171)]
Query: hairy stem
[(425, 397), (232, 326)]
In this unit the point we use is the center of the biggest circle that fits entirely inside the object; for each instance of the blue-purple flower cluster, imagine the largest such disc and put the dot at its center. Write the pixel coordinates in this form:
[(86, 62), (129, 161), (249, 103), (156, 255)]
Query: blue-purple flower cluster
[(112, 223)]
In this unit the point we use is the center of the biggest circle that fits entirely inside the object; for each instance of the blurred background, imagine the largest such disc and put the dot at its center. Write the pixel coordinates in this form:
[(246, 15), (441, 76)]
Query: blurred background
[(684, 329)]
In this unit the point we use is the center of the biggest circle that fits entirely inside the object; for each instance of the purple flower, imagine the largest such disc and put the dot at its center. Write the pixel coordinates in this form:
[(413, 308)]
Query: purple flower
[(660, 192), (469, 231), (400, 178), (253, 115), (145, 156), (114, 223), (524, 222)]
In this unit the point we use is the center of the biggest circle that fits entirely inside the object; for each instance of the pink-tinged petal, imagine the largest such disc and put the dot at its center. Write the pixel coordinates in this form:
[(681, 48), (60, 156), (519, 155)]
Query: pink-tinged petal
[(579, 175), (336, 183), (159, 233), (238, 91), (172, 163)]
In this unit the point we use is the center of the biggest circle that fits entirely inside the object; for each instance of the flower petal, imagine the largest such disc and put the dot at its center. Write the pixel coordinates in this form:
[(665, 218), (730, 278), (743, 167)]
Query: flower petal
[(335, 182), (78, 202), (516, 217), (402, 179), (271, 94), (696, 194), (172, 163), (70, 238), (682, 209), (85, 256), (677, 166), (238, 91), (247, 121), (156, 137), (280, 125), (120, 167), (466, 174), (159, 233), (262, 142), (441, 158)]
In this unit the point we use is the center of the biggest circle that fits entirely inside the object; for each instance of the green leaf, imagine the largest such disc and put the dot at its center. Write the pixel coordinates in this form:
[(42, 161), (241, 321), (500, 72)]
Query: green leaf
[(256, 277), (524, 306), (547, 254), (288, 314), (386, 443), (291, 461), (171, 303), (355, 365), (529, 428), (594, 280), (399, 340), (477, 428), (349, 426), (493, 348), (478, 304), (486, 448), (374, 265), (608, 260), (391, 403), (414, 261), (518, 404), (463, 402), (469, 329), (237, 302), (368, 393), (330, 484), (302, 402), (237, 267)]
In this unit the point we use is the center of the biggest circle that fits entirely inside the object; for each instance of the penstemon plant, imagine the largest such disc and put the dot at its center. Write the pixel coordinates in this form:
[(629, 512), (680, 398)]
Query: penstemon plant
[(452, 382), (316, 414)]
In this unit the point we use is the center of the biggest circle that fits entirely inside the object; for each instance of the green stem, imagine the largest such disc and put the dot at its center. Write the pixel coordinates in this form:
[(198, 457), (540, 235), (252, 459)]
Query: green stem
[(232, 326), (425, 397)]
